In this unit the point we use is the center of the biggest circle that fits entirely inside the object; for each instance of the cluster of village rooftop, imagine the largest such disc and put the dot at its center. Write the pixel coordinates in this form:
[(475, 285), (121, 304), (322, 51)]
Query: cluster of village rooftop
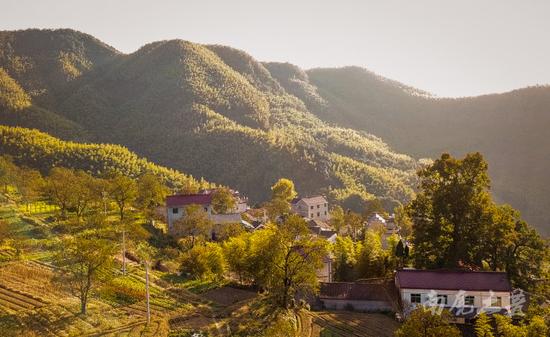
[(464, 293)]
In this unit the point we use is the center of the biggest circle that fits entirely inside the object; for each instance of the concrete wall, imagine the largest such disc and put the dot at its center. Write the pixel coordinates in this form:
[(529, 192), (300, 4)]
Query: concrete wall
[(325, 273), (482, 299), (172, 217), (216, 218), (318, 211)]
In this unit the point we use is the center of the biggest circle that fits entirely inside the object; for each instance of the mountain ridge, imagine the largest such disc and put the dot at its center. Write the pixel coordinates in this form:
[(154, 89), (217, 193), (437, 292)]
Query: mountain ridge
[(215, 111)]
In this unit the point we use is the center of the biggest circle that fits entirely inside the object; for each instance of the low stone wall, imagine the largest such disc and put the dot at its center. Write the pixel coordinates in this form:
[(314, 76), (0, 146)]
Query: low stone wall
[(365, 306)]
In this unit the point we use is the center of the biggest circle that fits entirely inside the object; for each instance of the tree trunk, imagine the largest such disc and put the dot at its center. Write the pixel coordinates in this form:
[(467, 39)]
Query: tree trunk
[(147, 291), (123, 252), (83, 305)]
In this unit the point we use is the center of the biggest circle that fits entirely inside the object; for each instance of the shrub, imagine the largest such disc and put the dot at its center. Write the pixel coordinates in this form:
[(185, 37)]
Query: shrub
[(204, 262)]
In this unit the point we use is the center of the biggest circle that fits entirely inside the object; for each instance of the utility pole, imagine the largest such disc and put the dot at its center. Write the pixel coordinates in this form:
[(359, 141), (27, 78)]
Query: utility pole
[(123, 249), (104, 197)]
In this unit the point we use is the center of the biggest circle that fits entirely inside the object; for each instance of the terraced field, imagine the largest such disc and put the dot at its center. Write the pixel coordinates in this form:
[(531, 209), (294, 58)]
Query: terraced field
[(345, 324), (31, 305), (12, 301)]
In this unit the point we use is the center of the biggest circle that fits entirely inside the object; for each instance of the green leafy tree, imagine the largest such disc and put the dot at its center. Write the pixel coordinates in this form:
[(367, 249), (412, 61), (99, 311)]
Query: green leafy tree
[(345, 252), (84, 193), (287, 259), (151, 194), (423, 323), (451, 212), (337, 218), (82, 258), (374, 206), (236, 251), (537, 327), (283, 189), (483, 326), (372, 258), (400, 252), (29, 184), (194, 223), (204, 261), (505, 327), (527, 258), (276, 208), (123, 191), (354, 224), (8, 172), (223, 200), (404, 222), (58, 190)]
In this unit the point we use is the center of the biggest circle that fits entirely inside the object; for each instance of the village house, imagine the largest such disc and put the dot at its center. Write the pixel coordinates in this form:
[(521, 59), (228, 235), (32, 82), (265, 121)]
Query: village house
[(322, 229), (314, 208), (358, 296), (176, 204), (463, 293), (375, 220)]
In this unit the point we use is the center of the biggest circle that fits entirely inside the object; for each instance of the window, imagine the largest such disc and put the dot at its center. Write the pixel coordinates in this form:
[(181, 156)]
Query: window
[(175, 210), (496, 301), (416, 298), (325, 212), (469, 300), (311, 207), (206, 209), (318, 214), (318, 206), (311, 215), (441, 299)]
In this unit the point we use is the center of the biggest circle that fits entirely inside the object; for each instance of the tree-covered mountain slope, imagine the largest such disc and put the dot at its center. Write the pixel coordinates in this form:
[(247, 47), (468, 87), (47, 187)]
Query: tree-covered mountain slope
[(41, 151), (209, 111), (509, 129)]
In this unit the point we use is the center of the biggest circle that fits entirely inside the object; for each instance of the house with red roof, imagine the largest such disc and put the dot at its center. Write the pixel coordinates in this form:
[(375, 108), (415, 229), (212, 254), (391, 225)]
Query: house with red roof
[(176, 204), (464, 293)]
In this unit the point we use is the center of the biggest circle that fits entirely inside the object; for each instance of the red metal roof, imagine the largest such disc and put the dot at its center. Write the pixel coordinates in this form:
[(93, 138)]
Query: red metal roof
[(188, 199), (453, 280)]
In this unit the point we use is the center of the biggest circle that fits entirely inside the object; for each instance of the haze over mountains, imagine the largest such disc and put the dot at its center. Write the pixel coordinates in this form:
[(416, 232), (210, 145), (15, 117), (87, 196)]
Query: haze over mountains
[(216, 112)]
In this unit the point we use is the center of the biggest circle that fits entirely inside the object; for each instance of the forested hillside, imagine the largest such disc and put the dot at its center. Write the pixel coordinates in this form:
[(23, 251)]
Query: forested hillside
[(215, 111), (42, 152), (509, 129), (210, 111)]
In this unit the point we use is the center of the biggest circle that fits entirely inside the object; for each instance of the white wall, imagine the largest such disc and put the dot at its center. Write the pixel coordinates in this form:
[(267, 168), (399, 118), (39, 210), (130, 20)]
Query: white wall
[(306, 211), (325, 273), (172, 217), (482, 299)]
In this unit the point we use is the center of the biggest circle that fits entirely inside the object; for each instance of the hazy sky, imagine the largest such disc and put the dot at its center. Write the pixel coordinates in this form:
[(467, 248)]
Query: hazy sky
[(450, 48)]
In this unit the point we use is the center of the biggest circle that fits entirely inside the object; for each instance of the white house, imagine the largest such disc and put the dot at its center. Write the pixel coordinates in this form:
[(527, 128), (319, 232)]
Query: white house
[(175, 207), (464, 293), (376, 220), (314, 208)]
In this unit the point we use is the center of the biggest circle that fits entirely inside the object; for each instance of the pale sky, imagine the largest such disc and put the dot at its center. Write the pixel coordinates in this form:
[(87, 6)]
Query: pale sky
[(447, 47)]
